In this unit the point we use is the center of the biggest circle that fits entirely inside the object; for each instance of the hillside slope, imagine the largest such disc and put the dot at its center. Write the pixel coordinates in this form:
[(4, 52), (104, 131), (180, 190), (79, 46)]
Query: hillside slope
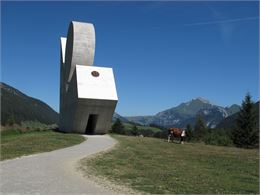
[(117, 116), (18, 107)]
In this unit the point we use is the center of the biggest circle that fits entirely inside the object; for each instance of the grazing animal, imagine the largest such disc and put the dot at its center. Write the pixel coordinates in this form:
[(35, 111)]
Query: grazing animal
[(176, 132)]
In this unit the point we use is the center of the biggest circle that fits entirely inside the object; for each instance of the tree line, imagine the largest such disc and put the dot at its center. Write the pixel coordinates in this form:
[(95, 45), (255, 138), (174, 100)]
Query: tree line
[(244, 135)]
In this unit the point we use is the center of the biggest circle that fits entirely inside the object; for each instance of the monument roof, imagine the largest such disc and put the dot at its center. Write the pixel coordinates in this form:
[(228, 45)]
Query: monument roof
[(96, 83)]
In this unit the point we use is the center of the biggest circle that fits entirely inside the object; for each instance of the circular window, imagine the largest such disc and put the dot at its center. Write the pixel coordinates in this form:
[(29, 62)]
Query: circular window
[(95, 73)]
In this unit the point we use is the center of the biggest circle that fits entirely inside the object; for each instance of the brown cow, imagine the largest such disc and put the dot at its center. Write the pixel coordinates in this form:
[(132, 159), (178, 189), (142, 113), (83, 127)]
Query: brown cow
[(176, 132)]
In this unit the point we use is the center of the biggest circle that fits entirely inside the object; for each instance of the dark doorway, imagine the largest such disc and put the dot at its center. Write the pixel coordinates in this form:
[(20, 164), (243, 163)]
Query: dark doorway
[(91, 125)]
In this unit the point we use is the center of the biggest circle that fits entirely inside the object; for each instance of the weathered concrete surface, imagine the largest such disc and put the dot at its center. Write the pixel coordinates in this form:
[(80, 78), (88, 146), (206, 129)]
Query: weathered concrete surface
[(53, 172), (95, 96), (88, 95), (80, 46)]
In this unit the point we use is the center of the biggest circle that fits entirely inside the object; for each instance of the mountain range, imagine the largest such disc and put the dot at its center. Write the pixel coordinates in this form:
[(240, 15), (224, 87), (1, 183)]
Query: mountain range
[(187, 113), (18, 107)]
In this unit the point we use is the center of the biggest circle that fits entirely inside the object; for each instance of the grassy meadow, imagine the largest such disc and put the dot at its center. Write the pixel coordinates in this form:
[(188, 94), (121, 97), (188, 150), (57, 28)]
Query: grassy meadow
[(128, 127), (156, 166), (16, 143)]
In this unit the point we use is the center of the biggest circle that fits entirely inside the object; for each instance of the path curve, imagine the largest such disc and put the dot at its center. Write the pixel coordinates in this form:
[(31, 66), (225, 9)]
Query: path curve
[(54, 172)]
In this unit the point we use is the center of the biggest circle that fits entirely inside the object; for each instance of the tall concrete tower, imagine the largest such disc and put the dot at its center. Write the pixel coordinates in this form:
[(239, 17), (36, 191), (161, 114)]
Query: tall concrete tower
[(88, 95)]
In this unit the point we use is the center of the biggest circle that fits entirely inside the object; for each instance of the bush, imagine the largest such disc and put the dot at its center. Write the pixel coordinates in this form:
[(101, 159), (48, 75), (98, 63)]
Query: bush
[(134, 130), (161, 134), (220, 137), (118, 127)]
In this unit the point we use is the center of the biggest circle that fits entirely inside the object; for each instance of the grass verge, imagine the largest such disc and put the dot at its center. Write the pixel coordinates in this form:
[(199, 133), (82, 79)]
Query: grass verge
[(16, 144), (155, 166)]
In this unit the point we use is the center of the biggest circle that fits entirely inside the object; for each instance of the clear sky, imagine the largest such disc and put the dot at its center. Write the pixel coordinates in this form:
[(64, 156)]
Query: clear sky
[(162, 53)]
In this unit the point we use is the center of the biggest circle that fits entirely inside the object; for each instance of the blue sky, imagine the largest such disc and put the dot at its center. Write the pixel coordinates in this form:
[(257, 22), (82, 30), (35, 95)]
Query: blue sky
[(162, 53)]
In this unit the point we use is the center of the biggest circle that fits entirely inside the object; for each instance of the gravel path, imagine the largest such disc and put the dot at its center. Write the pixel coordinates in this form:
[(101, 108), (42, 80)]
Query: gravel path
[(53, 172)]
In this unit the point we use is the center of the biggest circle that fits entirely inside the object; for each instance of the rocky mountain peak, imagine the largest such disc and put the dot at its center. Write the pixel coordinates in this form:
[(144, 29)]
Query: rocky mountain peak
[(203, 100), (186, 113)]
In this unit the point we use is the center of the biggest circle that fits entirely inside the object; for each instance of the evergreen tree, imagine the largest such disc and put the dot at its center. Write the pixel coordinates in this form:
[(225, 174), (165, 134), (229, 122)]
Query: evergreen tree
[(200, 129), (118, 127), (134, 130), (246, 134), (189, 132)]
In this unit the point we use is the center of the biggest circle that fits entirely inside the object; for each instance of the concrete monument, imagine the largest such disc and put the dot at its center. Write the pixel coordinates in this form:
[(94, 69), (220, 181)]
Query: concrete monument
[(88, 95)]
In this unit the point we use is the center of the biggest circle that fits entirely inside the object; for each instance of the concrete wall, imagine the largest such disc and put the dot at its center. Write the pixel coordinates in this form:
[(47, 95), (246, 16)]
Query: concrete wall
[(103, 109), (81, 93), (70, 99), (80, 47)]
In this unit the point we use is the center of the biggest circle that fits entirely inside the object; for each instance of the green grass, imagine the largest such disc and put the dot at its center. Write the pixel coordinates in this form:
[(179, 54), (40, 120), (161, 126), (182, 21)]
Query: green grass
[(129, 127), (155, 166), (16, 144)]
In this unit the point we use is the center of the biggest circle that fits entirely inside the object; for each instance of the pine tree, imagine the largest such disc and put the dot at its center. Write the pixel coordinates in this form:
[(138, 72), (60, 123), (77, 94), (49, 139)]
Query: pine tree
[(118, 127), (200, 129), (189, 132), (246, 134)]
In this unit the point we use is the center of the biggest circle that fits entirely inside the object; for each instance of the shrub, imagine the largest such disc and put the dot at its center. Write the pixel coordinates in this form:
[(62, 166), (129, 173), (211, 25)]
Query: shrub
[(134, 130), (161, 134), (118, 127), (220, 137)]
